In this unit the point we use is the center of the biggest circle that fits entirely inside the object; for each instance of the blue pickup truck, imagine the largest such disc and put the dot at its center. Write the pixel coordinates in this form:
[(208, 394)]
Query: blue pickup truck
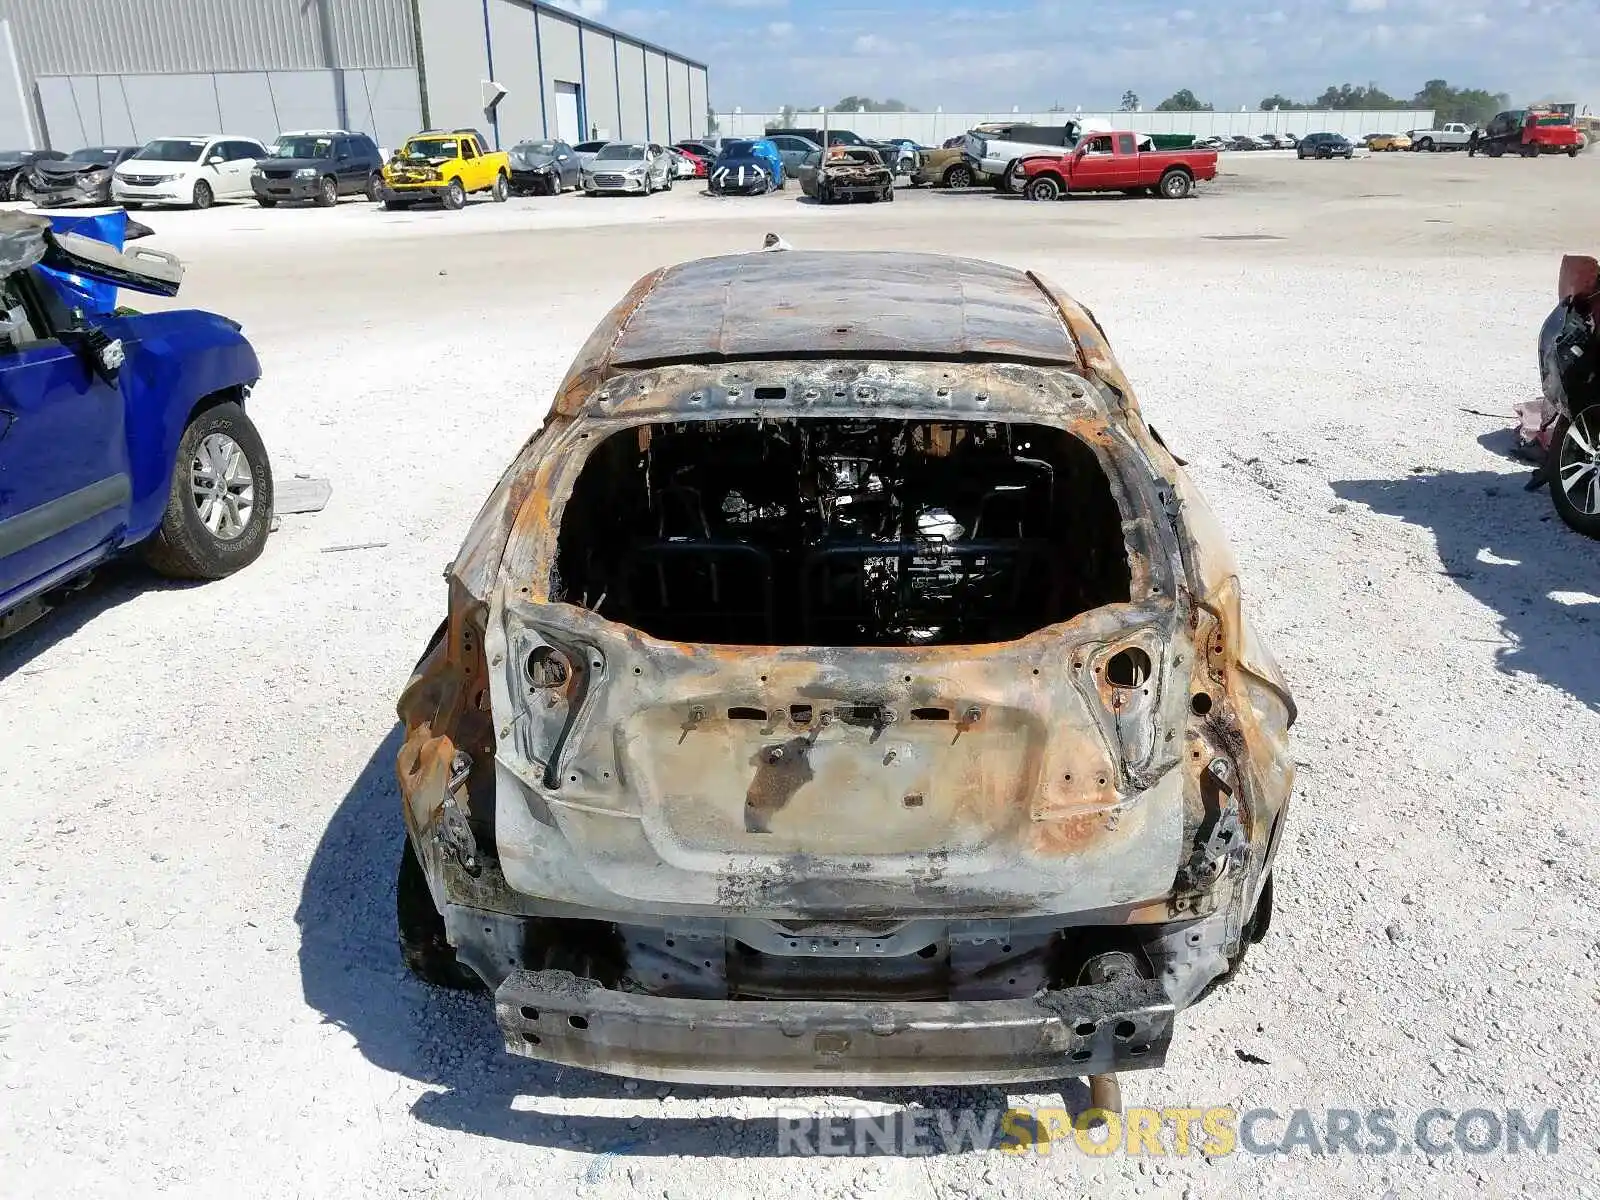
[(118, 431)]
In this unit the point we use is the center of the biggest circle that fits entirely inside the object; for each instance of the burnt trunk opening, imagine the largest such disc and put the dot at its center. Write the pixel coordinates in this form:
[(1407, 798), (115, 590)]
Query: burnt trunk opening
[(835, 532)]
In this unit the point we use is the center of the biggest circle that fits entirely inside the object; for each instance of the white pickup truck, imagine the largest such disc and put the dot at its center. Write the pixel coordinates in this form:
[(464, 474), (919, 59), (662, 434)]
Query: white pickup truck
[(994, 149), (1452, 136)]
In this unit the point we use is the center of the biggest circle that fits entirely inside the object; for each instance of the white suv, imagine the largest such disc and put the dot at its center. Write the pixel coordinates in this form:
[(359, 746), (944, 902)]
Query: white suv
[(187, 170)]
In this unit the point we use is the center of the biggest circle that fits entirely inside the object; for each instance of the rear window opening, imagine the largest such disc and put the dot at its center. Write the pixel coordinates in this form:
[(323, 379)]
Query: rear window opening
[(832, 532)]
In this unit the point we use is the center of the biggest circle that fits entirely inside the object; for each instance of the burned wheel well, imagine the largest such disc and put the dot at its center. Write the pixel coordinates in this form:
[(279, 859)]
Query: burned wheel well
[(841, 532)]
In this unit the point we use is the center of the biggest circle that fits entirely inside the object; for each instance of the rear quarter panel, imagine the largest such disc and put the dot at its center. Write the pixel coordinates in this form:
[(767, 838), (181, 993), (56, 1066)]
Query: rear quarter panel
[(175, 362)]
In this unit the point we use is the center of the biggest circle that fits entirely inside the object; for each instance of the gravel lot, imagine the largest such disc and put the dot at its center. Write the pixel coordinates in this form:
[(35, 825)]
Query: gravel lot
[(201, 991)]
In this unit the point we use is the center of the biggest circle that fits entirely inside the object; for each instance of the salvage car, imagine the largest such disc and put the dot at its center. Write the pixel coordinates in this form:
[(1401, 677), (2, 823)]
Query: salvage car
[(191, 171), (446, 166), (544, 167), (1324, 145), (1569, 367), (844, 686), (846, 173), (995, 149), (1384, 143), (794, 150), (1114, 162), (948, 167), (747, 167), (319, 165), (82, 177), (629, 168), (119, 432), (14, 171)]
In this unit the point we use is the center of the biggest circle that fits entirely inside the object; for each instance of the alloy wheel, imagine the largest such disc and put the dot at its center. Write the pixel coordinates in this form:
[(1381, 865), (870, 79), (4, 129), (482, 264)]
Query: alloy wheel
[(223, 486), (1578, 467)]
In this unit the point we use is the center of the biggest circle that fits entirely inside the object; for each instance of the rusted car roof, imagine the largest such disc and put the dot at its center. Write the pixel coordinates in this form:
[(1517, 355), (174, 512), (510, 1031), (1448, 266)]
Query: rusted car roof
[(844, 304)]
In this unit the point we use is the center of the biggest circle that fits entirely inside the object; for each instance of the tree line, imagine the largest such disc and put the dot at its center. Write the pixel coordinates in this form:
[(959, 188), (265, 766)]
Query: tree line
[(1472, 105)]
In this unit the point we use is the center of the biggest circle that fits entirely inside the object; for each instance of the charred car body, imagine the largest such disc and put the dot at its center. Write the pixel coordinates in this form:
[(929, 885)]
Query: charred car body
[(845, 173), (850, 689)]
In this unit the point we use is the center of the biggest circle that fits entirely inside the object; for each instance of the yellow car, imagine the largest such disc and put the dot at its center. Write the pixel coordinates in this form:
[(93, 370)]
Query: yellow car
[(444, 165), (1389, 141)]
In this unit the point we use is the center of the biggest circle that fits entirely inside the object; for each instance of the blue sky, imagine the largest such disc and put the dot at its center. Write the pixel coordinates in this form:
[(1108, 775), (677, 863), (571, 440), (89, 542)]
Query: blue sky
[(970, 56)]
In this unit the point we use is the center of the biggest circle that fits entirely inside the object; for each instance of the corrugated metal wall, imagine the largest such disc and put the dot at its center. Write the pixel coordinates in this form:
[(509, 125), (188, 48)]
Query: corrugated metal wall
[(112, 37), (166, 64)]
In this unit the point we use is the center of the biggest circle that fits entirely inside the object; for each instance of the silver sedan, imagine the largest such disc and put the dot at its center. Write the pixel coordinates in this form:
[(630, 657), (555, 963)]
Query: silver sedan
[(629, 168)]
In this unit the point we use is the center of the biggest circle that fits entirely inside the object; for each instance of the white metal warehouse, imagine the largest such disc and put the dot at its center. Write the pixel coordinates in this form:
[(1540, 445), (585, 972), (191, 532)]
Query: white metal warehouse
[(105, 72)]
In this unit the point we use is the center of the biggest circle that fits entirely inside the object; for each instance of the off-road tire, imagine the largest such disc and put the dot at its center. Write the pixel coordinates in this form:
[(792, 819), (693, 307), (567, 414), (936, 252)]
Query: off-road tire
[(1494, 149), (1579, 522), (958, 176), (502, 188), (183, 548), (204, 197), (327, 192), (1425, 144), (1176, 185), (424, 948), (455, 196)]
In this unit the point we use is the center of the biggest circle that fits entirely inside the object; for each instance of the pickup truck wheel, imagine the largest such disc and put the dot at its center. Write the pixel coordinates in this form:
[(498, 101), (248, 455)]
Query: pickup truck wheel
[(455, 196), (220, 502), (424, 947), (1494, 149), (502, 189), (1575, 470), (1002, 182), (327, 192), (203, 195), (373, 185), (958, 176), (1426, 144), (1042, 187), (1175, 185)]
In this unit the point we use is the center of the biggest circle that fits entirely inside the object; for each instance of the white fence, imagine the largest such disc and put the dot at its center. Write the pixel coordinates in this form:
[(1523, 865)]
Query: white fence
[(930, 129)]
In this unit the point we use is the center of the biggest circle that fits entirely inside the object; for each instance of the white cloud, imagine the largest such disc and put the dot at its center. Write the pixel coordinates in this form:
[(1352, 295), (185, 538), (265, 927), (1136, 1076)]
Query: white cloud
[(749, 3), (584, 8), (871, 43), (1184, 14), (1366, 6), (780, 29)]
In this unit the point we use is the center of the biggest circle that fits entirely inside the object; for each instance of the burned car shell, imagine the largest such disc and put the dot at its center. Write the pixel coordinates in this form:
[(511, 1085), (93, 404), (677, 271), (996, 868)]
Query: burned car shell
[(880, 863), (846, 173)]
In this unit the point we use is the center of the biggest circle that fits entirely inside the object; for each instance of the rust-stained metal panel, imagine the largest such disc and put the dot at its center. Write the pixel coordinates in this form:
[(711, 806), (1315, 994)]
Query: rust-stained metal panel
[(844, 304)]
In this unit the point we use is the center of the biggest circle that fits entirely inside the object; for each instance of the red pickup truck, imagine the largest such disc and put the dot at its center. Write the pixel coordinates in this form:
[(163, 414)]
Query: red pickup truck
[(1113, 162)]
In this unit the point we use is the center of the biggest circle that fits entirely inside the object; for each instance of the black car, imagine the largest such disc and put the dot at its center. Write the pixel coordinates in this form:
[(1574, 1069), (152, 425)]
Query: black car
[(82, 177), (318, 165), (544, 167), (1324, 145), (14, 170)]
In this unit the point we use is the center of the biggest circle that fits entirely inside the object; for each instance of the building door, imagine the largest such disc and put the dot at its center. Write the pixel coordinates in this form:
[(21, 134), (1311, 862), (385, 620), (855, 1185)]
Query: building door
[(568, 127)]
